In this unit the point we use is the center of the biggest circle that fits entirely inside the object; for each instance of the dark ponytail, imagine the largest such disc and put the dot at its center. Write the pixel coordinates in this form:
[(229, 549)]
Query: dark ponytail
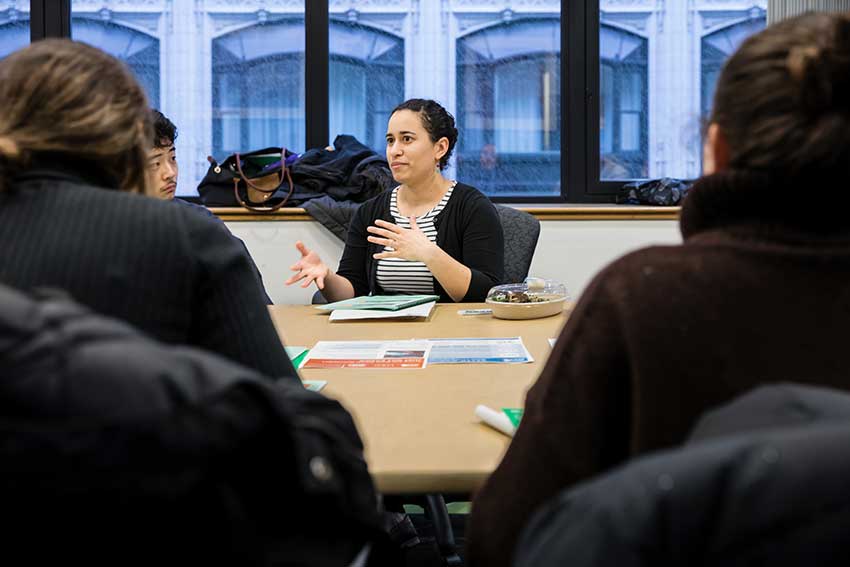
[(783, 99)]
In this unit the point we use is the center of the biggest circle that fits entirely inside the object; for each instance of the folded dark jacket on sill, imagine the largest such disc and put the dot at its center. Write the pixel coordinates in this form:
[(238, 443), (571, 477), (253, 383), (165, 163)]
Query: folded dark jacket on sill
[(664, 192)]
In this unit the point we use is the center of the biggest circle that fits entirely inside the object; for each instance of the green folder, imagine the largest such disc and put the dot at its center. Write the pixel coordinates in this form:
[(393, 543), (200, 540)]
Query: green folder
[(380, 302), (297, 354)]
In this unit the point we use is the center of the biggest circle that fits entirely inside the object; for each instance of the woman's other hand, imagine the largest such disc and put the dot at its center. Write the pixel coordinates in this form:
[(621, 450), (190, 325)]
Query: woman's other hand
[(410, 244), (310, 268)]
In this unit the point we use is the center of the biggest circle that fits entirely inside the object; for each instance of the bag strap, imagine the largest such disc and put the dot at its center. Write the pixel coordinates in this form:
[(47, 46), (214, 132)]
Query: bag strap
[(256, 209), (255, 187)]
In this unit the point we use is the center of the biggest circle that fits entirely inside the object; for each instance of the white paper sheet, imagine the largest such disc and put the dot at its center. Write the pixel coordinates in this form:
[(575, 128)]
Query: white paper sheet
[(509, 350), (368, 354)]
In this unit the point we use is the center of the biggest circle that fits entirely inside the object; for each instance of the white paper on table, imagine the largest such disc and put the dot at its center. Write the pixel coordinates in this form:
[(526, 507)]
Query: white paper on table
[(509, 350), (368, 354), (421, 310)]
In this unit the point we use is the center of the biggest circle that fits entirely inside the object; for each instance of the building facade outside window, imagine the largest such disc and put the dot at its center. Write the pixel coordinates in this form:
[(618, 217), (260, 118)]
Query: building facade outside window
[(659, 62), (717, 46), (14, 26), (258, 87), (366, 77), (231, 76), (508, 106), (138, 49), (623, 108)]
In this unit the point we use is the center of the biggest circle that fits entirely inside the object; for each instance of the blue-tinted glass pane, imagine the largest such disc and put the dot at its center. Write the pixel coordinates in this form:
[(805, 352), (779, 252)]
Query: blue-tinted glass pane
[(14, 29), (366, 79), (623, 105), (258, 87), (509, 106), (658, 70), (230, 75), (717, 46), (138, 50)]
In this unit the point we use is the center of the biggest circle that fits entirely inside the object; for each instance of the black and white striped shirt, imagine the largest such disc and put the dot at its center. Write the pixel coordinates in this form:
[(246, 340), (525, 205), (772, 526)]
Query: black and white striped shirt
[(397, 275)]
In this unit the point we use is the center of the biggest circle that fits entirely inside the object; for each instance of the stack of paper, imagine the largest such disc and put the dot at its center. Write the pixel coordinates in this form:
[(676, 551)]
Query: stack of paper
[(423, 310), (381, 307), (382, 302)]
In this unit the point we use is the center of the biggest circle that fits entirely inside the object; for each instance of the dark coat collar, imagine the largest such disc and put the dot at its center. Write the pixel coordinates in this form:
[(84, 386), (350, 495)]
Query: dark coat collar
[(66, 168), (760, 201)]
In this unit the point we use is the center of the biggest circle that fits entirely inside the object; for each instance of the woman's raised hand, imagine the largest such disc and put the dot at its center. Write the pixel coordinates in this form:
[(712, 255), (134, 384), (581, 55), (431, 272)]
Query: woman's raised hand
[(310, 268), (408, 243)]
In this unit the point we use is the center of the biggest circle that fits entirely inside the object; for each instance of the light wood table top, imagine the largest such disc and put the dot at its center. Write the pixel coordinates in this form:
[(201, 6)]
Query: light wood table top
[(418, 425)]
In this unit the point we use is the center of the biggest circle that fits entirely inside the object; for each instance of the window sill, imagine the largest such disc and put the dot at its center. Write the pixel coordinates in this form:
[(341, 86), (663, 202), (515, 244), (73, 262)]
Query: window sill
[(542, 212)]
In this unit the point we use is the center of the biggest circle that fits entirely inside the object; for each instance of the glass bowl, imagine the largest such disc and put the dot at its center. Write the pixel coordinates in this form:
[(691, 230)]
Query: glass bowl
[(531, 299)]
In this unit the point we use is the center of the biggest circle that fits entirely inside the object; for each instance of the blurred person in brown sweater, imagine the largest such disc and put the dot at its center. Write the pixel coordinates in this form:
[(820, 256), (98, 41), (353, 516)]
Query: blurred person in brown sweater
[(759, 292)]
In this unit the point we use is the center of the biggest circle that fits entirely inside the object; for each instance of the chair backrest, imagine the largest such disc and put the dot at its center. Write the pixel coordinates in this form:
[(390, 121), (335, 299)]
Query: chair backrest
[(521, 233), (765, 496)]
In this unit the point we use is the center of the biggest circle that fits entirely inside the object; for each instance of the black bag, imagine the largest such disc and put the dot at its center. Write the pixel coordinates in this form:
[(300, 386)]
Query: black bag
[(259, 181), (663, 192)]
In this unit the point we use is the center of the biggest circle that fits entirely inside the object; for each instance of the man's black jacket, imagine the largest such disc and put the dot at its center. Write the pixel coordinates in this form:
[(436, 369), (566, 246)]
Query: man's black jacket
[(115, 449)]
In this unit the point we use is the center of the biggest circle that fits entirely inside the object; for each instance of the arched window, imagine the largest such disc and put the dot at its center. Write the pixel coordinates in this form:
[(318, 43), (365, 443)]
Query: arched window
[(719, 45), (366, 81), (509, 107), (14, 32), (623, 131), (138, 50), (258, 88)]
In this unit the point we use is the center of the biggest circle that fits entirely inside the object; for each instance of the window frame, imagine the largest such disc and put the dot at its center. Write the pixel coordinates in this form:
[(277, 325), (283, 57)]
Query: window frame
[(580, 91)]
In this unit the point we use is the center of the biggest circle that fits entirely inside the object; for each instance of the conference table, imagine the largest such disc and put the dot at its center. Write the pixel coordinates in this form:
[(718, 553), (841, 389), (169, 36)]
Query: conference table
[(418, 425)]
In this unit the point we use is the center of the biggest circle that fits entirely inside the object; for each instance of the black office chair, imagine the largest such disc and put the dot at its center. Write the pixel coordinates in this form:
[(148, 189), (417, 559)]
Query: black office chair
[(768, 496), (522, 231)]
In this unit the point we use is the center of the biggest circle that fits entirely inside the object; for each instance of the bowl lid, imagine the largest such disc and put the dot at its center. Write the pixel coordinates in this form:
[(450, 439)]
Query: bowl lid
[(532, 290)]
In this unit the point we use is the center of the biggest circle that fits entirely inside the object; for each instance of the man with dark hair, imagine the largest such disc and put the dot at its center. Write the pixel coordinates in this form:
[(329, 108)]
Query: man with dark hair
[(162, 176), (162, 158)]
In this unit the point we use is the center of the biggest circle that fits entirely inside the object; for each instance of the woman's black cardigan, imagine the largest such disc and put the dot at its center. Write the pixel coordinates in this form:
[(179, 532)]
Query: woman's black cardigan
[(468, 229)]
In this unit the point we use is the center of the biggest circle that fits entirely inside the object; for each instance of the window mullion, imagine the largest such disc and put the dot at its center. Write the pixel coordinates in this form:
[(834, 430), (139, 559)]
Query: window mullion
[(576, 37), (316, 67), (50, 18)]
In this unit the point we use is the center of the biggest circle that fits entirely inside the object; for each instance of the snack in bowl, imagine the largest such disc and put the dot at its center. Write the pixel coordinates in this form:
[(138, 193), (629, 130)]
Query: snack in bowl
[(534, 298)]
